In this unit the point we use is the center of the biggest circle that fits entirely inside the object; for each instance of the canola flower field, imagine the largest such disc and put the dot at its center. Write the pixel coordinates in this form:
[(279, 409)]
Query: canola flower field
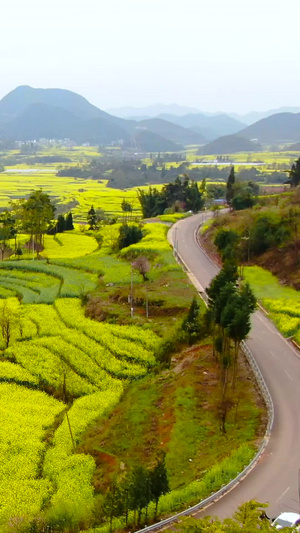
[(55, 354), (77, 194), (282, 303)]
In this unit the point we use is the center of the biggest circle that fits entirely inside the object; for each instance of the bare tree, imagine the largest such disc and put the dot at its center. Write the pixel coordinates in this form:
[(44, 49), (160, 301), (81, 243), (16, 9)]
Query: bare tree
[(142, 265)]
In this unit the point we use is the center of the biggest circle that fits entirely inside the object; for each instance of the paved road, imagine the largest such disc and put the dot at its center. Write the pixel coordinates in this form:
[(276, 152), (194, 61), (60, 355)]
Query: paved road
[(275, 478)]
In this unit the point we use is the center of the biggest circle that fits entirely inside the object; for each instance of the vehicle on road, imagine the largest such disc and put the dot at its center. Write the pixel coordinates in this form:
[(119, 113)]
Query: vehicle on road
[(287, 520)]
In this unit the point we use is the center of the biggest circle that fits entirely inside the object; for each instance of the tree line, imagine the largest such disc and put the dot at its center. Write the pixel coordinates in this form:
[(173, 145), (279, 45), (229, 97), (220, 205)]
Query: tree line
[(182, 195)]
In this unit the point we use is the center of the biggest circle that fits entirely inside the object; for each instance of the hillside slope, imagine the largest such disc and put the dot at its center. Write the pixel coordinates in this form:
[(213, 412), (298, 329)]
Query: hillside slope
[(172, 131), (229, 144), (276, 128)]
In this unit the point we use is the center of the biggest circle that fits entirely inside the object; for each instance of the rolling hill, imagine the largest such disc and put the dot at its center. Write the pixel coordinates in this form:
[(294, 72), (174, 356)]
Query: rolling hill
[(171, 131), (229, 144), (211, 127), (281, 127)]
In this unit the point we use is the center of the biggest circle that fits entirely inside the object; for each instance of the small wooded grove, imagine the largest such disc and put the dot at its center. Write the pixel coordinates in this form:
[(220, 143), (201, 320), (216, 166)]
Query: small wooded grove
[(182, 195)]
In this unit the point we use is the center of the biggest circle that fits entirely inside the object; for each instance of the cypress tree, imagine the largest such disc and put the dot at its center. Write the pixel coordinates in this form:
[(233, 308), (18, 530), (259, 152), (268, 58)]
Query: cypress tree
[(230, 186), (92, 218), (69, 222), (295, 173), (60, 224), (159, 483)]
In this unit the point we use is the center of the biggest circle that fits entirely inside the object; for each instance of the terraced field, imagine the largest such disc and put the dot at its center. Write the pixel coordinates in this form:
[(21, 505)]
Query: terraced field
[(58, 371)]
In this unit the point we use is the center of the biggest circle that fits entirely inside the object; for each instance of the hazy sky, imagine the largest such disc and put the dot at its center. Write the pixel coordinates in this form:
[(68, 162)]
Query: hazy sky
[(230, 55)]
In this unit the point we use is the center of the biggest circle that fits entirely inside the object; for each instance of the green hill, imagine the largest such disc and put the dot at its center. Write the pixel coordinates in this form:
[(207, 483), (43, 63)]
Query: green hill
[(229, 144), (281, 127)]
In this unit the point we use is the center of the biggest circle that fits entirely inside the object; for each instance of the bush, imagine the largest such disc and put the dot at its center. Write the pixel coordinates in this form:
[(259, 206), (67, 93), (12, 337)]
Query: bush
[(129, 235)]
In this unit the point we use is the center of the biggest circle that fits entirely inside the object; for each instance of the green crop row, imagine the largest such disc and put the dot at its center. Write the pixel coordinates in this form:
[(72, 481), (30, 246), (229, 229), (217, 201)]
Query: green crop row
[(73, 282), (108, 335), (49, 323), (48, 367)]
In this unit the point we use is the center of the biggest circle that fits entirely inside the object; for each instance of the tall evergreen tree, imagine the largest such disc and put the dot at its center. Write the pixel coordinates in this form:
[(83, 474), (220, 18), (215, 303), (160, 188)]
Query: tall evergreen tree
[(230, 186), (92, 217), (191, 324), (113, 504), (139, 490), (60, 224), (69, 222), (295, 173), (159, 483)]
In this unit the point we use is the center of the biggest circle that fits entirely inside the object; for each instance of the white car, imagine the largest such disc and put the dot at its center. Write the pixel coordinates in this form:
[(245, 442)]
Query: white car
[(287, 520)]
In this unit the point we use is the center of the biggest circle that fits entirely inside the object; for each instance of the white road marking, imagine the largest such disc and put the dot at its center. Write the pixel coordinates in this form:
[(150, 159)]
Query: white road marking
[(273, 354), (283, 494), (288, 375)]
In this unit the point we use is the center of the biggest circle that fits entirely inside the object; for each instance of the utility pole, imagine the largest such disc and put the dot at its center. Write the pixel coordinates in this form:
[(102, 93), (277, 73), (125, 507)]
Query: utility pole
[(131, 296), (147, 305)]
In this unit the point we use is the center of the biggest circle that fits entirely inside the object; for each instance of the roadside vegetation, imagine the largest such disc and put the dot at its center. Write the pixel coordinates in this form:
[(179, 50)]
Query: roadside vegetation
[(251, 516), (265, 239)]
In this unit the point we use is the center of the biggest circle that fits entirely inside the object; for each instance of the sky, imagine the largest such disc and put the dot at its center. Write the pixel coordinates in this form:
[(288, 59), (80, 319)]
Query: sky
[(215, 55)]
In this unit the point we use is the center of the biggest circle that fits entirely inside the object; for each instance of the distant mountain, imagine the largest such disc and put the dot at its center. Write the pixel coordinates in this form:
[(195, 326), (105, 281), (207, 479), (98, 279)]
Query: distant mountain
[(147, 141), (229, 144), (171, 131), (28, 114), (18, 100), (152, 111), (282, 127), (210, 127), (255, 116), (50, 122)]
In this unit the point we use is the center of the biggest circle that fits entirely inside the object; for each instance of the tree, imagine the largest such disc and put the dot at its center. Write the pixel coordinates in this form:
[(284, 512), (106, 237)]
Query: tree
[(294, 173), (7, 231), (242, 196), (9, 319), (227, 241), (238, 310), (69, 222), (60, 224), (126, 208), (183, 194), (129, 235), (35, 215), (159, 483), (142, 265), (92, 218), (139, 490), (113, 504), (191, 325), (229, 186), (230, 306)]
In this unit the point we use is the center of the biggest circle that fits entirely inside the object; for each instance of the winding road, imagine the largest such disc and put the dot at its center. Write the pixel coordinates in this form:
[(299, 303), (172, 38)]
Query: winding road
[(275, 477)]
